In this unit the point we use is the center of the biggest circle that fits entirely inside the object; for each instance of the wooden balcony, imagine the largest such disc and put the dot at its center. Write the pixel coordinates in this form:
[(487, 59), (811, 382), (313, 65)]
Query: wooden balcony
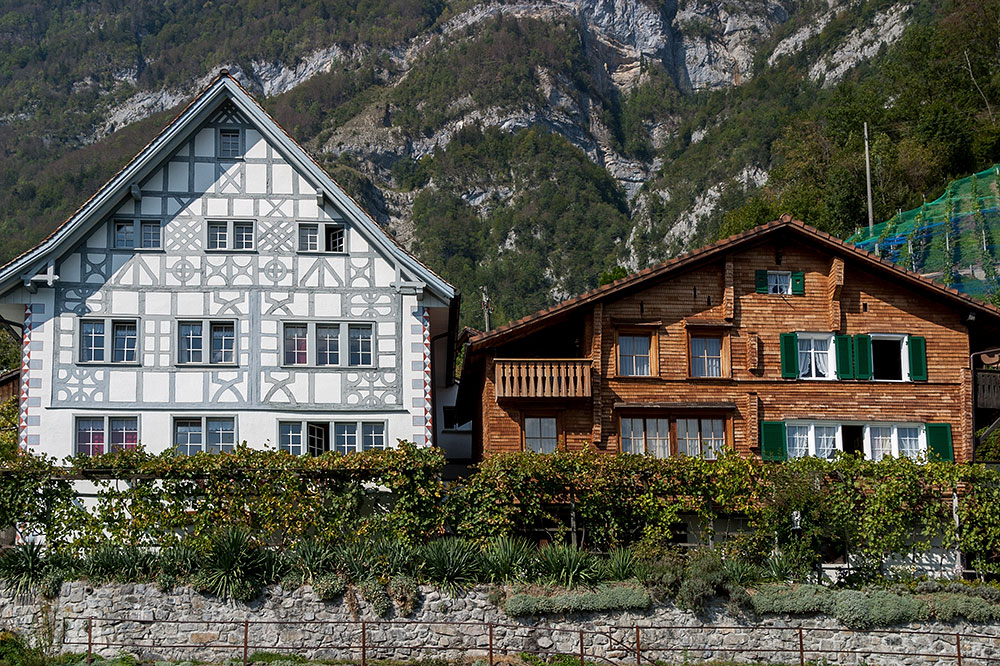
[(542, 378), (988, 389)]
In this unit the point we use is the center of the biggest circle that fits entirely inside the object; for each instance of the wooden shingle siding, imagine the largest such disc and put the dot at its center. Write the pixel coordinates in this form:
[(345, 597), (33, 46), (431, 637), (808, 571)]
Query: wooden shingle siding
[(843, 297)]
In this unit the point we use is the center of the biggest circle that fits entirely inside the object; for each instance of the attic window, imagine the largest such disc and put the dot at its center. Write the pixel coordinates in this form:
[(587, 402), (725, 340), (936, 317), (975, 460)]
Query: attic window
[(229, 143), (329, 237)]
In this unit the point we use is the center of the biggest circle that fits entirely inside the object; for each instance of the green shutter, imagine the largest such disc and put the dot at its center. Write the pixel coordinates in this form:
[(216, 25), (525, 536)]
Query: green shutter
[(845, 357), (862, 357), (939, 441), (761, 278), (789, 355), (772, 441), (918, 358), (798, 283)]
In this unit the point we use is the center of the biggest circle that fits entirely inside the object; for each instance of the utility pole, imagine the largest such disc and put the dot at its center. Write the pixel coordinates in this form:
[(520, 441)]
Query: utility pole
[(487, 306), (868, 178)]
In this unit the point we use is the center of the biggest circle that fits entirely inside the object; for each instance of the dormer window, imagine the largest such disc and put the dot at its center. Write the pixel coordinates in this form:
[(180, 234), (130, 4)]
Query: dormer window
[(327, 237), (229, 143)]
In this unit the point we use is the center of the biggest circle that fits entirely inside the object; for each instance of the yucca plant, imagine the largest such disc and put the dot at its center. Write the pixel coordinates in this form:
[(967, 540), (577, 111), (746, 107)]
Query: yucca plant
[(391, 557), (779, 568), (23, 567), (125, 564), (508, 558), (235, 566), (452, 563), (180, 561), (621, 564), (567, 565), (353, 560), (310, 559), (740, 572)]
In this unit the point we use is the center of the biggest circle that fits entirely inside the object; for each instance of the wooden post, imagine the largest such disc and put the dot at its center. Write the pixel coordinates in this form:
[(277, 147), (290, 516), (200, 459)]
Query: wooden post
[(638, 648), (246, 640), (802, 651), (581, 649), (364, 645), (958, 648), (491, 644)]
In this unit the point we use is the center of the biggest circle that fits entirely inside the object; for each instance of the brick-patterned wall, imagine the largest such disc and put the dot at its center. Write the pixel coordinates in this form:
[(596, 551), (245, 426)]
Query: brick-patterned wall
[(840, 296)]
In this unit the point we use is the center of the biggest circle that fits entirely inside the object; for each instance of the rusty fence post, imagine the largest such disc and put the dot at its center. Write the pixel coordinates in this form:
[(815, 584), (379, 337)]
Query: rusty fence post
[(246, 640), (90, 640), (958, 648), (638, 647), (491, 644), (802, 650), (364, 645), (581, 648)]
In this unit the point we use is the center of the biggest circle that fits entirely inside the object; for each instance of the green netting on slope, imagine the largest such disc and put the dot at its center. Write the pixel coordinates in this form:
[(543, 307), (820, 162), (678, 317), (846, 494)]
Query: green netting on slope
[(952, 239)]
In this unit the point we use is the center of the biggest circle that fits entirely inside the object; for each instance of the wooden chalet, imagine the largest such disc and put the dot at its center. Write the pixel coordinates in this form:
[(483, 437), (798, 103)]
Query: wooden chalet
[(779, 342)]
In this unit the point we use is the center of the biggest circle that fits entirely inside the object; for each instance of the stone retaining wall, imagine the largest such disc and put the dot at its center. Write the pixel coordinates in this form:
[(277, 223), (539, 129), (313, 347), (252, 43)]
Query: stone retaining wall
[(183, 624)]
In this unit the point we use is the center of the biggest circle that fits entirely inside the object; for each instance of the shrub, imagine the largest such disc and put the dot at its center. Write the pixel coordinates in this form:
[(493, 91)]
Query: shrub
[(235, 566), (391, 557), (23, 567), (329, 586), (622, 564), (404, 593), (271, 657), (352, 559), (737, 571), (702, 579), (663, 577), (452, 563), (374, 593), (508, 558), (311, 558), (793, 600), (948, 607), (876, 608), (122, 564), (567, 565), (15, 652), (603, 598)]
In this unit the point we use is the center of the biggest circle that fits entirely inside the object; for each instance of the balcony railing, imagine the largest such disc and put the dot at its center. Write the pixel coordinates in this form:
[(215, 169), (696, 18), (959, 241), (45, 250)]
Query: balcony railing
[(988, 389), (542, 378)]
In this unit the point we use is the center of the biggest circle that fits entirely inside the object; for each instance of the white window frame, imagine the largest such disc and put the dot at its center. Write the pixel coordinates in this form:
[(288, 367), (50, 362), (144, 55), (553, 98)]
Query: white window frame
[(343, 343), (707, 357), (359, 432), (812, 425), (713, 454), (206, 337), (649, 340), (106, 420), (774, 287), (240, 135), (138, 224), (322, 229), (831, 355), (230, 224), (894, 434), (204, 419), (904, 353), (645, 441), (109, 340)]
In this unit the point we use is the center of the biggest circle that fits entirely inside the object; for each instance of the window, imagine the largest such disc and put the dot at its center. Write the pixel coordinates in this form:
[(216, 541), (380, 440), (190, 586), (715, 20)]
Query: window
[(207, 433), (148, 233), (813, 439), (360, 340), (290, 438), (322, 237), (191, 342), (92, 434), (646, 436), (345, 437), (700, 437), (372, 436), (229, 143), (706, 356), (296, 344), (327, 344), (889, 358), (899, 440), (122, 346), (232, 235), (779, 282), (633, 355), (540, 434), (816, 359)]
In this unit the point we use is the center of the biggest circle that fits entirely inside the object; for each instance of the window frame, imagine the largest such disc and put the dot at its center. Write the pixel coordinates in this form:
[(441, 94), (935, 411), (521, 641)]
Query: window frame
[(701, 418), (138, 224), (204, 419), (894, 428), (312, 327), (708, 333), (206, 343), (787, 274), (106, 420), (108, 348), (831, 354), (240, 139), (555, 417), (230, 224), (651, 332), (904, 356), (671, 434), (331, 425), (322, 228), (811, 442)]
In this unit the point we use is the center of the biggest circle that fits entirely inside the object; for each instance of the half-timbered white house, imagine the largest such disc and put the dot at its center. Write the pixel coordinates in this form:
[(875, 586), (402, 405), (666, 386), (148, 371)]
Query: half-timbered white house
[(222, 288)]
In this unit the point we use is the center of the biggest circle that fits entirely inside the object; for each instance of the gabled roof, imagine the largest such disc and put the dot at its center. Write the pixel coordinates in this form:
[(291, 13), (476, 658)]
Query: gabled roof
[(814, 237), (224, 87)]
